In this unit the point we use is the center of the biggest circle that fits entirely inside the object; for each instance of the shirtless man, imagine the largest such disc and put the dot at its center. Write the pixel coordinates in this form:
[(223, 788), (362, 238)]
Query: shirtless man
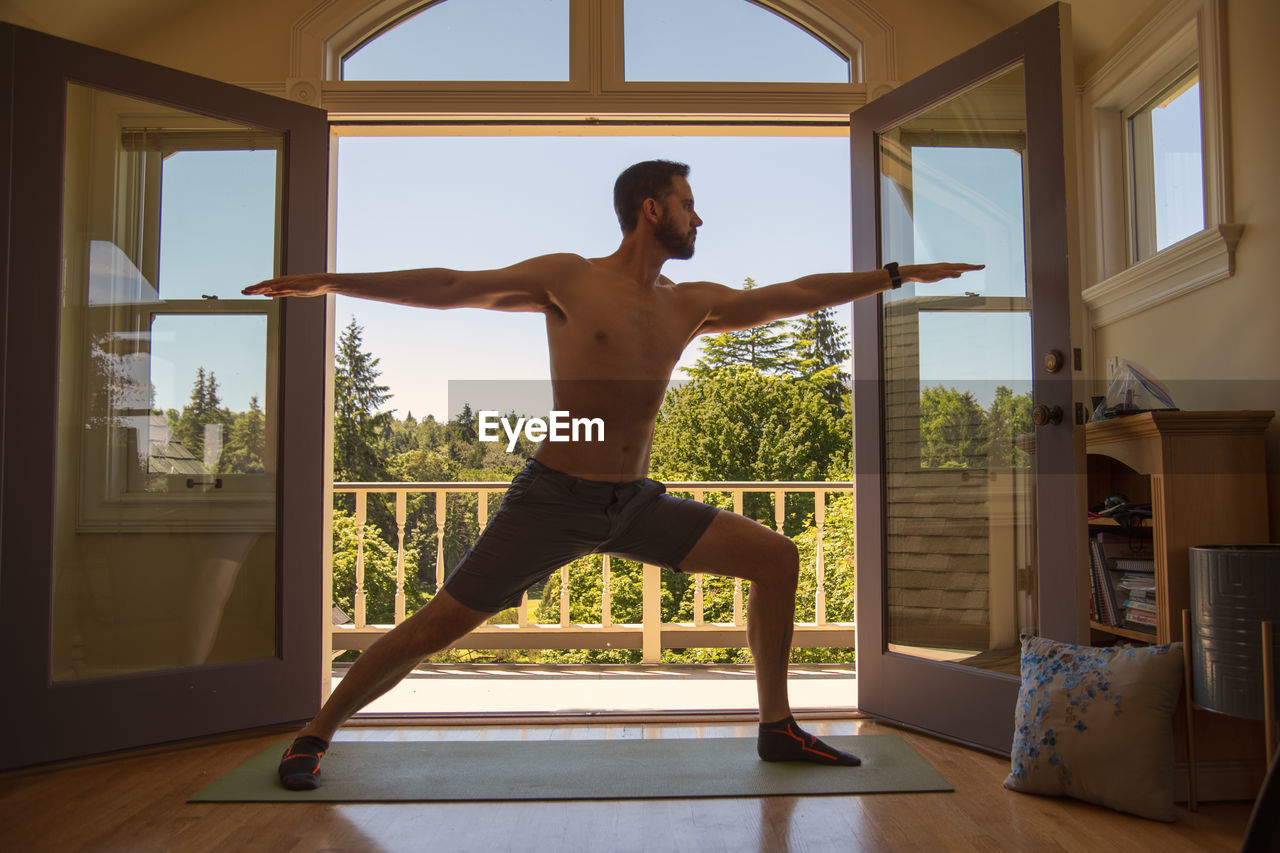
[(615, 328)]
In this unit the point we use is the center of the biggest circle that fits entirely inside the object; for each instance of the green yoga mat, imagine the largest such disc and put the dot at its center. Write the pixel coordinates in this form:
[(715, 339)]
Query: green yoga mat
[(673, 768)]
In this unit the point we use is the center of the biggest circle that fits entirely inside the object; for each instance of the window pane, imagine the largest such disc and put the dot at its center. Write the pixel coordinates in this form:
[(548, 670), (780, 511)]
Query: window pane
[(723, 41), (1179, 167), (1168, 168), (217, 215), (470, 40)]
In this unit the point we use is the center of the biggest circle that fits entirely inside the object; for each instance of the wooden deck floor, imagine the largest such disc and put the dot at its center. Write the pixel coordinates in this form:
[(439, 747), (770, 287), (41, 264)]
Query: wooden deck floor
[(137, 803)]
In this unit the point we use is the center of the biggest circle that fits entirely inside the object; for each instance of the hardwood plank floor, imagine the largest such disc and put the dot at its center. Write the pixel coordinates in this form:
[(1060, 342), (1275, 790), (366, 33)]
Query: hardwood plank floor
[(137, 803)]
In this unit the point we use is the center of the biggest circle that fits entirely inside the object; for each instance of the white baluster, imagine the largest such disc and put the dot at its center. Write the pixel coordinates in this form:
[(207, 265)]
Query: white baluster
[(737, 582), (359, 603), (402, 499)]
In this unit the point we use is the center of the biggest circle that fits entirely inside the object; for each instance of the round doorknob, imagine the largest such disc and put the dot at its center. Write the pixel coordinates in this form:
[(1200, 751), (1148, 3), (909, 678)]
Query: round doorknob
[(1043, 414)]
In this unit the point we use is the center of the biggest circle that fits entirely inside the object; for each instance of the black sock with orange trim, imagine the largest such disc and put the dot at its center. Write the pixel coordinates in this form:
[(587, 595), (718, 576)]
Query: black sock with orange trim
[(786, 741), (300, 765)]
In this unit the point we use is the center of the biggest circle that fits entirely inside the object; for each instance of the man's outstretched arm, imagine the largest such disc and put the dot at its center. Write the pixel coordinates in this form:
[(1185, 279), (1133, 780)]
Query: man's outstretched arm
[(520, 287), (728, 309)]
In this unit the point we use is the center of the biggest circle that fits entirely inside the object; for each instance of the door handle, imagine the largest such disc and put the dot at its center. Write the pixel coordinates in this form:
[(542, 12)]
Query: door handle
[(1042, 415)]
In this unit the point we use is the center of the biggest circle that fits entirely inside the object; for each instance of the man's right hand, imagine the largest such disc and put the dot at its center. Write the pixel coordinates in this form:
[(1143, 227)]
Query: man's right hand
[(291, 285)]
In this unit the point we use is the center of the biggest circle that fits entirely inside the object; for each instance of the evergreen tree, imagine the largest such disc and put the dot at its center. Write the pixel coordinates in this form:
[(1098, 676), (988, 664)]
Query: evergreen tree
[(246, 447), (769, 348), (823, 351), (205, 408), (360, 428)]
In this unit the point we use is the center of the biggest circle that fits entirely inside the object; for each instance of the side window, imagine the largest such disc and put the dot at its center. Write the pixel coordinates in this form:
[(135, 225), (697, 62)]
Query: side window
[(1166, 167), (1156, 208)]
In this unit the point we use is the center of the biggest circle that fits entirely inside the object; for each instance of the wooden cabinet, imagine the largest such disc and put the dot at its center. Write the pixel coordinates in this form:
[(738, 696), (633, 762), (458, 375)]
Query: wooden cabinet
[(1205, 476)]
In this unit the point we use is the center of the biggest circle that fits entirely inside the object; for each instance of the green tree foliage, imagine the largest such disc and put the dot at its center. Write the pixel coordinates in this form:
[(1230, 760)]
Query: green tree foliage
[(204, 409), (838, 575), (953, 429), (769, 348), (360, 427), (956, 432), (244, 434), (737, 423), (823, 350), (246, 444), (379, 572), (740, 424), (1008, 417)]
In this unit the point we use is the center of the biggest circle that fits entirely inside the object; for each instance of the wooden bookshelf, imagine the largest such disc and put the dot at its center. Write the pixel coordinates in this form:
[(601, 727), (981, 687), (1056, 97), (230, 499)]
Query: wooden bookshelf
[(1204, 474), (1121, 631)]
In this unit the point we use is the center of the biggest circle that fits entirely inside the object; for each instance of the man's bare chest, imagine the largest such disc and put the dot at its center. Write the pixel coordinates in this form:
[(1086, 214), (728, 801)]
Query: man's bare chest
[(611, 328)]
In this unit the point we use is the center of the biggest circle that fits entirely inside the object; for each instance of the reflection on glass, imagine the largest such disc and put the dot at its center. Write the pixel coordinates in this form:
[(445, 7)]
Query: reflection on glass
[(960, 571), (214, 200), (165, 552), (469, 40), (727, 41)]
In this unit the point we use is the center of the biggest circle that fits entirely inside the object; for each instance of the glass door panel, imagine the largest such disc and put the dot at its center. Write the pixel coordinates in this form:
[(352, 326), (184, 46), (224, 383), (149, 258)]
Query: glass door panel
[(956, 367), (165, 526), (966, 526), (166, 510)]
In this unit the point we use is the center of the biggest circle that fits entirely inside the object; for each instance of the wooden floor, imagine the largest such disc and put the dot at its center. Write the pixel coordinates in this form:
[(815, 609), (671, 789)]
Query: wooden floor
[(137, 803)]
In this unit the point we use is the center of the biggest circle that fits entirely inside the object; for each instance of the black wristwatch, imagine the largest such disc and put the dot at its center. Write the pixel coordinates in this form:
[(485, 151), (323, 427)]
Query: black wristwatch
[(895, 277)]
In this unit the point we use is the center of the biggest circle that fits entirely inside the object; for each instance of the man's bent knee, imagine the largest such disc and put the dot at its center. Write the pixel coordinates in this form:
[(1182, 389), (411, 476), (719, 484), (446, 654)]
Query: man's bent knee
[(784, 559)]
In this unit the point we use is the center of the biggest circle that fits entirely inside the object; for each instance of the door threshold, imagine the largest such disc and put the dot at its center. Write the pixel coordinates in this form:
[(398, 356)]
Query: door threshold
[(579, 718)]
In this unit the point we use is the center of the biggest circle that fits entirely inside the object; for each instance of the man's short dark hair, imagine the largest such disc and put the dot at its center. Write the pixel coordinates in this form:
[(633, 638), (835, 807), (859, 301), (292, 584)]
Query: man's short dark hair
[(650, 179)]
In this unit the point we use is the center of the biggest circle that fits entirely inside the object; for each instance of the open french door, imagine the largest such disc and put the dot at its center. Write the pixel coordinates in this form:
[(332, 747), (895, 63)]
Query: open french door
[(967, 509), (164, 478)]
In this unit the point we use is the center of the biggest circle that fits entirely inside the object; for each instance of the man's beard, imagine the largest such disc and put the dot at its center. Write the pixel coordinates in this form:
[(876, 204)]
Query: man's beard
[(678, 245)]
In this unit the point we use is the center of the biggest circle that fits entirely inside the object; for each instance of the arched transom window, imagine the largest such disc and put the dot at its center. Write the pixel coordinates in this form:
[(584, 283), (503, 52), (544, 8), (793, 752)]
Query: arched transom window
[(406, 58)]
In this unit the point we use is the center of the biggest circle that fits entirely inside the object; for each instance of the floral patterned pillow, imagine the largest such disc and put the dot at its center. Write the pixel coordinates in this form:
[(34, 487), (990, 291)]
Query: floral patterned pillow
[(1097, 724)]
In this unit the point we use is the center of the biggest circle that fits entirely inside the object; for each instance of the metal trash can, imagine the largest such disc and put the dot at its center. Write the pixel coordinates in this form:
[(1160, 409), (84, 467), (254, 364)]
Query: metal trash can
[(1234, 589)]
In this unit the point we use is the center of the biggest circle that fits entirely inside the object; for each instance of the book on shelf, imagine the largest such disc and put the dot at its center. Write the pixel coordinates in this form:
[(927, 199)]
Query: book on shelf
[(1138, 584), (1140, 620), (1122, 582), (1102, 584), (1140, 617)]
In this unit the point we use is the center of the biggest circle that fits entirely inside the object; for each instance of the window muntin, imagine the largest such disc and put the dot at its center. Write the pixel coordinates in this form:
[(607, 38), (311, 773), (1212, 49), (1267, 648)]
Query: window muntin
[(726, 41), (1167, 167), (480, 40)]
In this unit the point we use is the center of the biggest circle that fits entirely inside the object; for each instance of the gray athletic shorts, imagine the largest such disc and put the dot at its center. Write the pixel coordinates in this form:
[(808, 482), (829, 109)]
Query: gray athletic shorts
[(548, 519)]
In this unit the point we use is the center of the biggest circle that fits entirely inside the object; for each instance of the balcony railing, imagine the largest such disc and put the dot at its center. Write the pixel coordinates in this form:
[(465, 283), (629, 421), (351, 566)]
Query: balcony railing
[(651, 635)]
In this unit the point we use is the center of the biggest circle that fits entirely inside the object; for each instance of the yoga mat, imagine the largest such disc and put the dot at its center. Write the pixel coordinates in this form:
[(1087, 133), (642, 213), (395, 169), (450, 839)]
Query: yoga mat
[(670, 768)]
